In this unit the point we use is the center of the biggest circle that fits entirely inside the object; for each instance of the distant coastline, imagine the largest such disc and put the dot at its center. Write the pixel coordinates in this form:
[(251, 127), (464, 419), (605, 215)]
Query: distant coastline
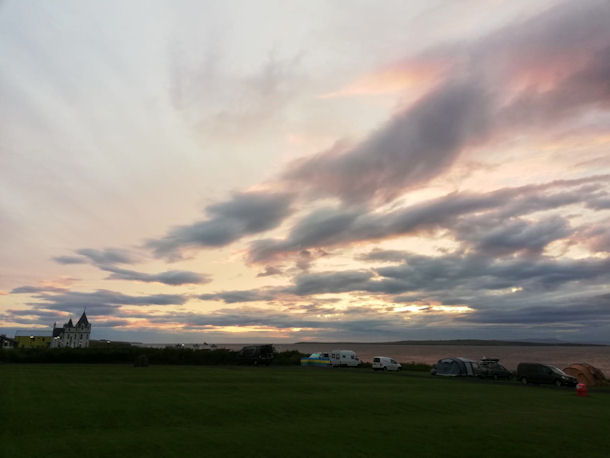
[(466, 342)]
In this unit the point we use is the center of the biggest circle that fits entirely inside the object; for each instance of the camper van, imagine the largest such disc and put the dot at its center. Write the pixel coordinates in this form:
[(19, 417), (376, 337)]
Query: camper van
[(344, 358), (384, 363)]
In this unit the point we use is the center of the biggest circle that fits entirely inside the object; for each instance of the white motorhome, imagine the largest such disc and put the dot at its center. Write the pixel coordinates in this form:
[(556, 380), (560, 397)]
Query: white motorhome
[(345, 358), (384, 363)]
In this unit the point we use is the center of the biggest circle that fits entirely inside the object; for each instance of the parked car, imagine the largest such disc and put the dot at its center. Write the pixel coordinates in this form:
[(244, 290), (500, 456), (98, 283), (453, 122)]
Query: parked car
[(385, 363), (256, 355), (344, 358), (490, 368), (544, 373)]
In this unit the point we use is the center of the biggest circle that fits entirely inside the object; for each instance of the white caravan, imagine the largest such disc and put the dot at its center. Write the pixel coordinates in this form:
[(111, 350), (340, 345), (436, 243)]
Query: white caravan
[(346, 358), (383, 363)]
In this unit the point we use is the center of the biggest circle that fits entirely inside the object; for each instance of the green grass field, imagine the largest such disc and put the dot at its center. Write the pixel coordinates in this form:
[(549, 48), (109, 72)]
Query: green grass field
[(99, 410)]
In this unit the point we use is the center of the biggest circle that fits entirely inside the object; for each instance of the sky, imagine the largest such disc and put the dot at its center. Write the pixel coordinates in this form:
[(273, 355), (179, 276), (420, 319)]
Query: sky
[(285, 171)]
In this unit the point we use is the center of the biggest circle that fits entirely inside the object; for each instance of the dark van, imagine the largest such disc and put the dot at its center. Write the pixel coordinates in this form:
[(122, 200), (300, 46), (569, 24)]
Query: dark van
[(543, 373), (256, 355)]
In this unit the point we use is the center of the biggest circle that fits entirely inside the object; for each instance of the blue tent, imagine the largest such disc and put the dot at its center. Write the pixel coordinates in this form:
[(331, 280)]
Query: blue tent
[(456, 367)]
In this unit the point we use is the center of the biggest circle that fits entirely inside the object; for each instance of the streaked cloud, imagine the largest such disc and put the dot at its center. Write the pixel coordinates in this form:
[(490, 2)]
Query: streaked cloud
[(244, 214), (344, 226), (107, 255), (237, 296), (171, 277), (478, 101), (409, 150)]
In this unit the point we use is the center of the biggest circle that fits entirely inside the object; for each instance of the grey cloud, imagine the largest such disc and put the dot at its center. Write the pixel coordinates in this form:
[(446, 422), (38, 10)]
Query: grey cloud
[(36, 315), (384, 255), (304, 260), (492, 237), (480, 273), (70, 260), (597, 236), (329, 282), (244, 214), (409, 150), (457, 276), (587, 87), (469, 107), (269, 271), (580, 310), (101, 302), (237, 296), (171, 277), (110, 323), (106, 256), (600, 202), (330, 227), (322, 226), (44, 316), (35, 289)]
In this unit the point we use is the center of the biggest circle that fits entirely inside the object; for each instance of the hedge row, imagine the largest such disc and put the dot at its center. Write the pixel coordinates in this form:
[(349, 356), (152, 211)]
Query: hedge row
[(128, 354)]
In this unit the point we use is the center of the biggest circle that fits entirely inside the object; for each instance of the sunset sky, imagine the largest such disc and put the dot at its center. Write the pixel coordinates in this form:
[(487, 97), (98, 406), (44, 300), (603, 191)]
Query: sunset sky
[(283, 171)]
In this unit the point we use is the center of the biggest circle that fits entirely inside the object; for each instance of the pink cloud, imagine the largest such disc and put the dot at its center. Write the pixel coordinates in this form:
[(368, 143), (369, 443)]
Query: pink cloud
[(411, 75)]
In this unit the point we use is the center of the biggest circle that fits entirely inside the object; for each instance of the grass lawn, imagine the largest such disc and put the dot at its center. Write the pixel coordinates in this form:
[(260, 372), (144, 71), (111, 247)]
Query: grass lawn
[(156, 411)]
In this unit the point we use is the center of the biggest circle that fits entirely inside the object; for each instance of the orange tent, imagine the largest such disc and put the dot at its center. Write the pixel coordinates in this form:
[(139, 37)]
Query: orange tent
[(587, 374)]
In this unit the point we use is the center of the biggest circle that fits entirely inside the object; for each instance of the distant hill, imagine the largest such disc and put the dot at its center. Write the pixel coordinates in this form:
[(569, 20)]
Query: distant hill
[(469, 342)]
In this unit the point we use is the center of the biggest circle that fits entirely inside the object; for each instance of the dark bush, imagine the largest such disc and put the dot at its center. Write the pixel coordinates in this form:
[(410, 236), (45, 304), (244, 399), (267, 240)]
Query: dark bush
[(141, 361), (416, 367), (288, 358)]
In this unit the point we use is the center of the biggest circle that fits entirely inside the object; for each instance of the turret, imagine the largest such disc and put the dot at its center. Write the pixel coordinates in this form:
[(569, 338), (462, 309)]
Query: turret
[(83, 322)]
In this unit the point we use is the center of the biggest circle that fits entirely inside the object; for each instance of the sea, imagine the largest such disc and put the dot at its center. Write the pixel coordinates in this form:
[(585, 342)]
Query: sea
[(510, 356)]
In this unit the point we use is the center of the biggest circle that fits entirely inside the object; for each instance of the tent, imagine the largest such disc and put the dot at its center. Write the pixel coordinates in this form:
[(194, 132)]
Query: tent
[(456, 367), (317, 360), (587, 374)]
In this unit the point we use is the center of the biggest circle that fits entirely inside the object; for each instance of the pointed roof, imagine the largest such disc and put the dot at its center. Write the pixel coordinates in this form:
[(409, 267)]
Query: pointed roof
[(69, 324), (83, 320)]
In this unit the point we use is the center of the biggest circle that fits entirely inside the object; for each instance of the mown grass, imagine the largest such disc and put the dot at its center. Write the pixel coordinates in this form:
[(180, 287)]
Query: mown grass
[(157, 411)]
